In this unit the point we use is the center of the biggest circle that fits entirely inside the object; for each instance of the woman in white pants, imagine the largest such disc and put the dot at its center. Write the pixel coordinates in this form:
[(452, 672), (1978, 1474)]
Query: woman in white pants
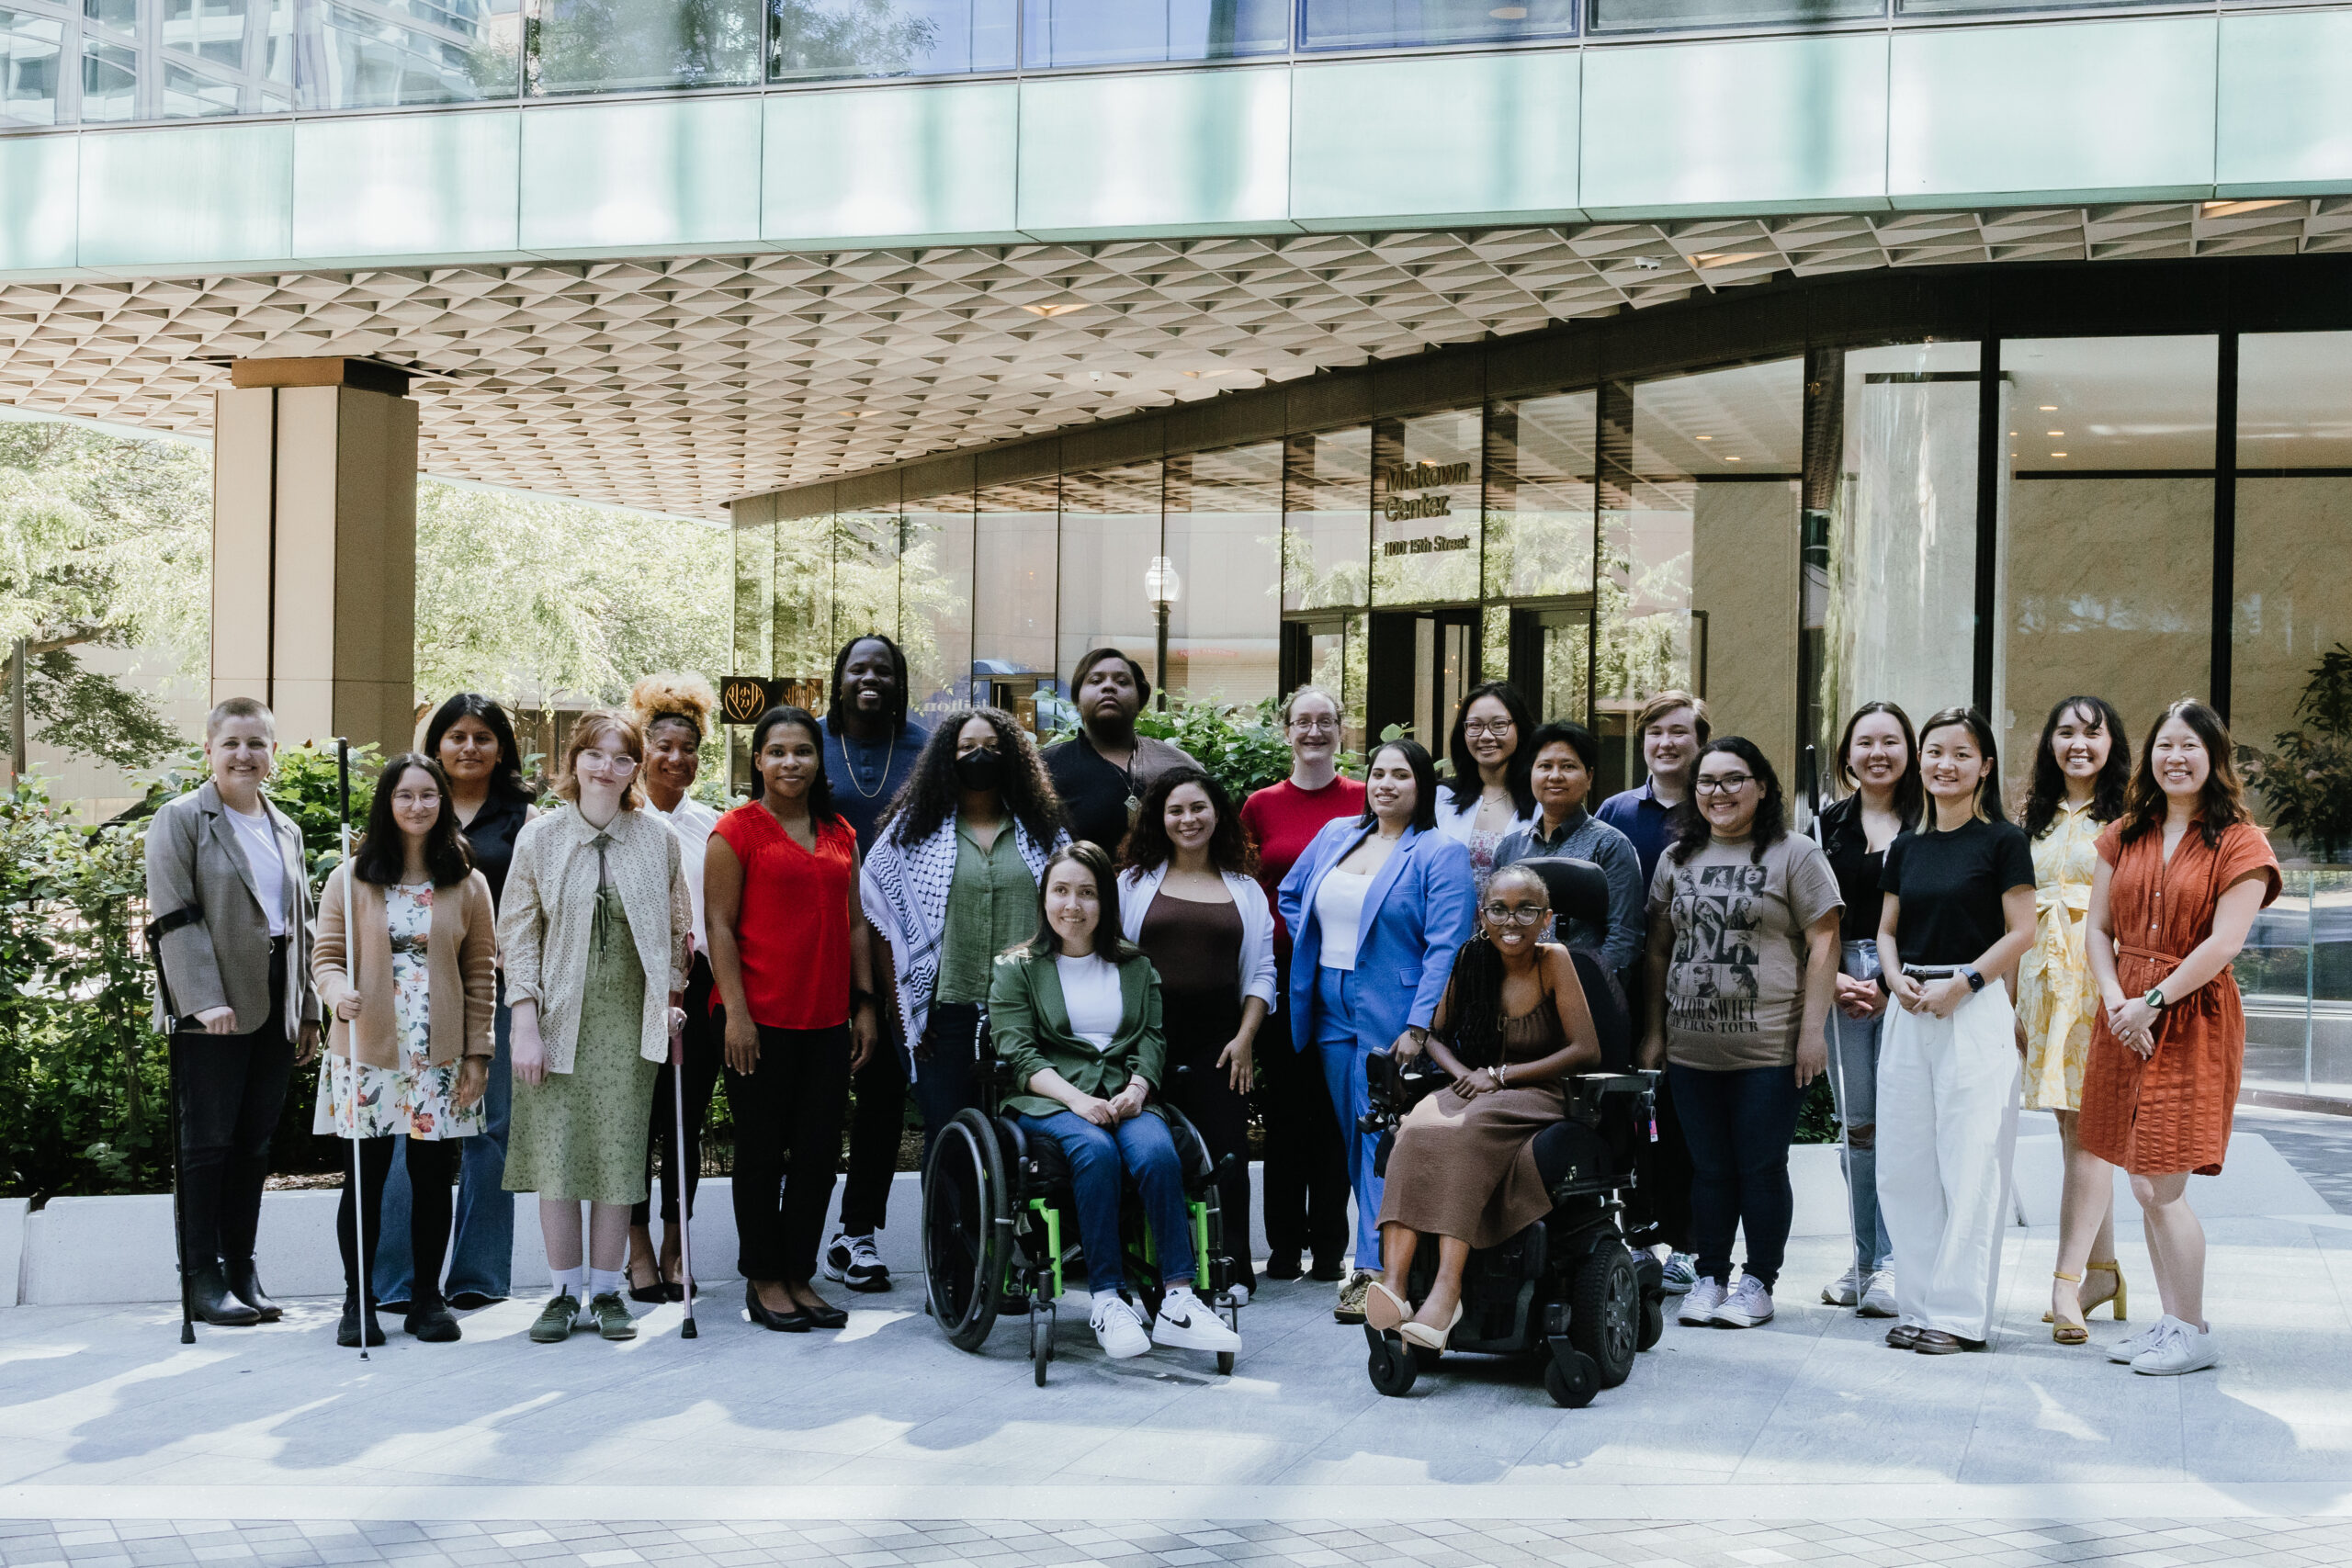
[(1958, 916)]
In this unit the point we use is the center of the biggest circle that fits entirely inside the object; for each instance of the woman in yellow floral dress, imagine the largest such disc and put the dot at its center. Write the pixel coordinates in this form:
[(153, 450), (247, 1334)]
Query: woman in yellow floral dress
[(2079, 775)]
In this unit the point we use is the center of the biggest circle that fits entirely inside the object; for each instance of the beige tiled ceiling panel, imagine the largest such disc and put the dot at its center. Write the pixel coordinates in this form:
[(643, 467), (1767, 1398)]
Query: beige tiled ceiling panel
[(680, 385)]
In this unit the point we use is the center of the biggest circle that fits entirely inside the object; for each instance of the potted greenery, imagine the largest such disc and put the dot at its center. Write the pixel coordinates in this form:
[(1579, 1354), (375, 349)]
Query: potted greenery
[(2307, 780)]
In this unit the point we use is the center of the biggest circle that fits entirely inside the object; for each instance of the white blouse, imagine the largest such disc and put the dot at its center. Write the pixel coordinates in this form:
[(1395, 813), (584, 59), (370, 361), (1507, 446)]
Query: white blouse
[(1338, 910), (1091, 992)]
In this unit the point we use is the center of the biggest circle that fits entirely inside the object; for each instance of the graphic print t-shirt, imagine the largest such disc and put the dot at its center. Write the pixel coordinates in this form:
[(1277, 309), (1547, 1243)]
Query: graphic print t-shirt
[(1735, 986)]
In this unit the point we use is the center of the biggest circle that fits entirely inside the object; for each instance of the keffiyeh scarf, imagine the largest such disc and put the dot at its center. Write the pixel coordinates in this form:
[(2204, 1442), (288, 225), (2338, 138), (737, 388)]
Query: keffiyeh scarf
[(904, 893)]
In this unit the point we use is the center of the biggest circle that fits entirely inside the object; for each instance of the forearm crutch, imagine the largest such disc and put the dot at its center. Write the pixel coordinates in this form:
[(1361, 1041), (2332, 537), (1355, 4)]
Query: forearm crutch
[(683, 1153), (351, 1046), (156, 934)]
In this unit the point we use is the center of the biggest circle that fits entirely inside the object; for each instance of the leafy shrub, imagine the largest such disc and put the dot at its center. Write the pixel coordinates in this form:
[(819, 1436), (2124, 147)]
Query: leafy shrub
[(2307, 780)]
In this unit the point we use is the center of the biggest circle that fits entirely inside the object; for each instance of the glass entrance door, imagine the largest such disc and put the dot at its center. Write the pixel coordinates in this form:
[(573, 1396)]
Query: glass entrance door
[(1421, 663)]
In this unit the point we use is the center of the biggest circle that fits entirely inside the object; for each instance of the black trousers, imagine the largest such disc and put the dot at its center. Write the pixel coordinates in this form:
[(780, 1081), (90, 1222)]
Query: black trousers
[(1199, 1026), (232, 1088), (1306, 1173), (706, 1051), (878, 1120), (432, 1171), (947, 1066), (1660, 1201), (788, 1113)]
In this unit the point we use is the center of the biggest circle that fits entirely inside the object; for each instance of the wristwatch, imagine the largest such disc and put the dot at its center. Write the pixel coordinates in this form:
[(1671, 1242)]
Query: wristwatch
[(1976, 981), (2156, 998)]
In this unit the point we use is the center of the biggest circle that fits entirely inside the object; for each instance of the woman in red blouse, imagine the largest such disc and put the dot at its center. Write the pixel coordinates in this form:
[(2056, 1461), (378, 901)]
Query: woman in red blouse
[(2181, 875), (795, 1006)]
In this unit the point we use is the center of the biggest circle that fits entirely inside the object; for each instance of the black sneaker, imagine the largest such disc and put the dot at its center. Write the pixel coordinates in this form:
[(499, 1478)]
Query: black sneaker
[(855, 1262), (433, 1322), (348, 1331)]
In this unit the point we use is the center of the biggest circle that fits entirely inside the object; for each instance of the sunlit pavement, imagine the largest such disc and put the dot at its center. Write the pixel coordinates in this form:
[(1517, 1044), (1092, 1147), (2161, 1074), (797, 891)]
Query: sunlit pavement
[(883, 1444)]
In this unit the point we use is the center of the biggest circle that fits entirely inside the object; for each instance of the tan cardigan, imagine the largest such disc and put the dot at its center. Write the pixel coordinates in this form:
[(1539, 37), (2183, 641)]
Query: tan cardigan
[(544, 915), (460, 960)]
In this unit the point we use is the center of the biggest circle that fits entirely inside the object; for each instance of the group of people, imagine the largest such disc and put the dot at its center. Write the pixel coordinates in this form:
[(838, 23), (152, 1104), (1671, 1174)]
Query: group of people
[(509, 988)]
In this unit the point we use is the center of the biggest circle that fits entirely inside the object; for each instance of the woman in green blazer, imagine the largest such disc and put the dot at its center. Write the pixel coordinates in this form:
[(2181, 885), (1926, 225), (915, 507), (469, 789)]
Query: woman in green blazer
[(1076, 1014)]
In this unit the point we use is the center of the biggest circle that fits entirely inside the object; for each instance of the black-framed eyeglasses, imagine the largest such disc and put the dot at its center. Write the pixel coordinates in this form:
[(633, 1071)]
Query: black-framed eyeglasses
[(1516, 914), (1486, 726), (1727, 784)]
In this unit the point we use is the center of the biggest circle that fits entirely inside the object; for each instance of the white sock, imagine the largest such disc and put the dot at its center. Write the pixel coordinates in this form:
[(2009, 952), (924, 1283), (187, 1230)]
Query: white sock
[(1177, 1293), (604, 1282), (1101, 1296), (569, 1282)]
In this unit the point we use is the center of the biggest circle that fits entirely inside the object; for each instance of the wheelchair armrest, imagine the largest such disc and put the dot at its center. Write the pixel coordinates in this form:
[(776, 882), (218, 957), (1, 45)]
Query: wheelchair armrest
[(1612, 1083)]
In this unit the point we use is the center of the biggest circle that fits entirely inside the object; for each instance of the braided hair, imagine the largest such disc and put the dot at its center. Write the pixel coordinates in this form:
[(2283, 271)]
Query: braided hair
[(1475, 1009)]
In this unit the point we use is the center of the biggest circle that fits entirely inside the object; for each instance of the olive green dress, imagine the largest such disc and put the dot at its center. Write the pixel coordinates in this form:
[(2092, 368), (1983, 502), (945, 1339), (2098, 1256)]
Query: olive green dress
[(581, 1134)]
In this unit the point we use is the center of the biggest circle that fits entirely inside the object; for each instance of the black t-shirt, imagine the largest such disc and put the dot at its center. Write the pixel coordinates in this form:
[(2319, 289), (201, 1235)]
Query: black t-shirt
[(1950, 886), (1857, 866), (491, 837), (1094, 793)]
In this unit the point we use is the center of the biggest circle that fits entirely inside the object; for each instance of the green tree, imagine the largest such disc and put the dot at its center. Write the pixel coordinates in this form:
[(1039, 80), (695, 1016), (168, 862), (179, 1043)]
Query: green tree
[(2307, 779)]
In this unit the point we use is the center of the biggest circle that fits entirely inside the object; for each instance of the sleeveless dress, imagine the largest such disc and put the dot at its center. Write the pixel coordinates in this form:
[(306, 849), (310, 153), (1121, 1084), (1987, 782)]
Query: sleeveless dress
[(581, 1134), (1467, 1168), (2056, 998)]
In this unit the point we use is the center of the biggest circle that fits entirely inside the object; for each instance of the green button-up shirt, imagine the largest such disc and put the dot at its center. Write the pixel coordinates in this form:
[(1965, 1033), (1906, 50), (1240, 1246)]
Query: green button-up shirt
[(992, 904)]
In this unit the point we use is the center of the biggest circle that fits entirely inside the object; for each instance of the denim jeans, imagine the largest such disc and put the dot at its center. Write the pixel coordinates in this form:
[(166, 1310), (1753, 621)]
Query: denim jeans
[(1099, 1159), (1739, 1124), (1350, 1091), (1853, 1078), (481, 1253)]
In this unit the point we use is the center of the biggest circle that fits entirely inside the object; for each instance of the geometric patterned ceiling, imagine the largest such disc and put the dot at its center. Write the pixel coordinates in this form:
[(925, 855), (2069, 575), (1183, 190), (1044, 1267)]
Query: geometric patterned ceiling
[(678, 385)]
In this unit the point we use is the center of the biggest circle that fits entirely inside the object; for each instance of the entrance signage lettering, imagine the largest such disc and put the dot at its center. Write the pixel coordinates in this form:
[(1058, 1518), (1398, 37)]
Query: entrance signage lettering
[(1423, 546), (1396, 478)]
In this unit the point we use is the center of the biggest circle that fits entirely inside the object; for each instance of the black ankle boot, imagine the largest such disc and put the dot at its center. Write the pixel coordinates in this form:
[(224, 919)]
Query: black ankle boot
[(432, 1321), (208, 1294), (244, 1283), (347, 1333)]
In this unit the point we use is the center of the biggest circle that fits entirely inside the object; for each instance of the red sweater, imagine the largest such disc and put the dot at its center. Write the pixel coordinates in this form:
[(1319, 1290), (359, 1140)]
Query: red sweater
[(1283, 818), (793, 931)]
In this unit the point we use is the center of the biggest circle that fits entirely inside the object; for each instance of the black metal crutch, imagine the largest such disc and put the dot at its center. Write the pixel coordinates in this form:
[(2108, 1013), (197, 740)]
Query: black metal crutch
[(1837, 1062), (351, 1042), (685, 1206), (156, 931)]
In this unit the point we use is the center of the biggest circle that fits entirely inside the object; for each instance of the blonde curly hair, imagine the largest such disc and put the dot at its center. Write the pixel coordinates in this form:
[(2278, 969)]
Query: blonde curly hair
[(671, 694)]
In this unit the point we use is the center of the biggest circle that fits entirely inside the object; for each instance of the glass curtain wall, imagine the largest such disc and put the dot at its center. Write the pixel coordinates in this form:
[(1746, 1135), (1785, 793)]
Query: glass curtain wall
[(801, 634), (1326, 566), (1109, 543), (366, 54), (1015, 583), (1426, 476), (2107, 523), (633, 46), (146, 60), (935, 602), (1223, 530), (810, 39), (1541, 469), (1403, 24), (1128, 32)]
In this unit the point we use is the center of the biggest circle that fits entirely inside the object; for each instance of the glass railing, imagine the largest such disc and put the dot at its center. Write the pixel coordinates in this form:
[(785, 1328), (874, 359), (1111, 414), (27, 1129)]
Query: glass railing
[(2296, 973)]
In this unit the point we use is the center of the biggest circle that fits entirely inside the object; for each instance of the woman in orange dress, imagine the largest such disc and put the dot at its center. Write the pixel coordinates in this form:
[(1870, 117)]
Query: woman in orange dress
[(2181, 876)]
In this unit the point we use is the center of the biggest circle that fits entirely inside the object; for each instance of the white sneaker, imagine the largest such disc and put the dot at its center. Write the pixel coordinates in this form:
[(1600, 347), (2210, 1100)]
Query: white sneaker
[(1846, 1290), (1681, 1271), (1238, 1294), (1118, 1328), (1699, 1303), (1185, 1323), (1878, 1299), (2132, 1347), (2179, 1348), (1748, 1305)]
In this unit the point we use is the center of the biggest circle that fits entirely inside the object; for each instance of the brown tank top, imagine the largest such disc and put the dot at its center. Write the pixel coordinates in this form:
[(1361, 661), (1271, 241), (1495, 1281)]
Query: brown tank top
[(1195, 947)]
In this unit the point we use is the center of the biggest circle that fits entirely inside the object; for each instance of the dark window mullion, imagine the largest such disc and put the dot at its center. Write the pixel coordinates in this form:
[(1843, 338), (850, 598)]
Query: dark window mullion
[(2225, 516)]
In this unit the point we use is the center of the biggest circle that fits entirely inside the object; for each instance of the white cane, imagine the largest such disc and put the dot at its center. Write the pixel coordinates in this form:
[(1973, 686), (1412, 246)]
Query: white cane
[(351, 1047)]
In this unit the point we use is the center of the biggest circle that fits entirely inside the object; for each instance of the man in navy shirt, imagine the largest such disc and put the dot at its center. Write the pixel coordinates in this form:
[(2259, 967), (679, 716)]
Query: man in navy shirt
[(1673, 725), (870, 750)]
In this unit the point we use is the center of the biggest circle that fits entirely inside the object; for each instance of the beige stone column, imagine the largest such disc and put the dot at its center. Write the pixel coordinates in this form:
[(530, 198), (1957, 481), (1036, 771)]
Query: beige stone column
[(314, 547)]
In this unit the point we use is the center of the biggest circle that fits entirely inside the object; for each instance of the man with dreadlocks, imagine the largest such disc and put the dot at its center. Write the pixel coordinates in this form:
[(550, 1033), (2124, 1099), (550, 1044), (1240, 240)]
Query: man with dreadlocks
[(1512, 1024)]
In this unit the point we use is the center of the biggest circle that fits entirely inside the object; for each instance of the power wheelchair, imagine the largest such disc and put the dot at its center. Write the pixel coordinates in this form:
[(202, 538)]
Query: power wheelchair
[(999, 1225), (1570, 1287)]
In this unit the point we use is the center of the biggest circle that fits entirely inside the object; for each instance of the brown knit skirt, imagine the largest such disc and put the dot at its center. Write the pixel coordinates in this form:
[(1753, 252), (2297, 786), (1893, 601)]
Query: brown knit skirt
[(1467, 1168)]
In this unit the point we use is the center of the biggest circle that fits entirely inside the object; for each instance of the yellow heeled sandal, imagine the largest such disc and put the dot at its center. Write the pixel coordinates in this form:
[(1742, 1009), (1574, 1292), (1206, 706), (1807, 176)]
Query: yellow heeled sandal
[(2118, 1300), (2066, 1333)]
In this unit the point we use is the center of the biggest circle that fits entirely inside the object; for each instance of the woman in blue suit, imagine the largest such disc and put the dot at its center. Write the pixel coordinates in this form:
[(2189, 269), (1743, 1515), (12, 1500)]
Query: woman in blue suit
[(1378, 907)]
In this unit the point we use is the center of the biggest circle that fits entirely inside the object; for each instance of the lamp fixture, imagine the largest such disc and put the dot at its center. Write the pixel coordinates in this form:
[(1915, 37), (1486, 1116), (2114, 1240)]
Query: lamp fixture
[(1064, 309), (2053, 433), (1702, 438), (2236, 208), (2048, 408), (2057, 453), (1726, 258)]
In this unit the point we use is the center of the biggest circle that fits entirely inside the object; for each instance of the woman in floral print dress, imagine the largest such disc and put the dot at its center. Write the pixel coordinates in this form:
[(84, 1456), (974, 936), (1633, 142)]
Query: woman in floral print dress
[(406, 960)]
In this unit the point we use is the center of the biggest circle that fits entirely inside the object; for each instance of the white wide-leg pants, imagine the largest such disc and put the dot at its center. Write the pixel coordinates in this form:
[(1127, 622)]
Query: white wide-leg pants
[(1947, 1128)]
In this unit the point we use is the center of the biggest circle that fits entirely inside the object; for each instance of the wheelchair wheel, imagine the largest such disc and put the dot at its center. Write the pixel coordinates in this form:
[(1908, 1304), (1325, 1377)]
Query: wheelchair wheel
[(1572, 1389), (1041, 1341), (1653, 1323), (1391, 1363), (1605, 1312), (967, 1226)]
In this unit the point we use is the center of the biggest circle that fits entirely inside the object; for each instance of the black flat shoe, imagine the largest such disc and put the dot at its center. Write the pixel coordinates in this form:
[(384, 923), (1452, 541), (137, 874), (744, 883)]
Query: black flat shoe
[(793, 1322), (672, 1290), (433, 1322), (825, 1317), (1326, 1273), (244, 1285), (652, 1294), (1284, 1266)]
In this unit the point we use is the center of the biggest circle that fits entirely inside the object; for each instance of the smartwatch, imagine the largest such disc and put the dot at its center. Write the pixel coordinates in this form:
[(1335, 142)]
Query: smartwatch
[(2156, 998), (1976, 981)]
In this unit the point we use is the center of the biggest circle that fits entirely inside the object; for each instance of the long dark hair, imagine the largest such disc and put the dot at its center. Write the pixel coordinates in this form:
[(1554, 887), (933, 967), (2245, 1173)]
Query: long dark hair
[(898, 711), (1475, 1006), (820, 788), (506, 781), (1147, 846), (1109, 937), (1910, 795), (2221, 802), (2048, 791), (1771, 822), (1417, 758), (1988, 793), (928, 797), (1518, 772), (382, 856)]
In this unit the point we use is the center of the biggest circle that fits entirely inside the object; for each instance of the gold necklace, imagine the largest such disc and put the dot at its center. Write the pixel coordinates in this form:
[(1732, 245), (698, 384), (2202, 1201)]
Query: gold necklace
[(851, 768)]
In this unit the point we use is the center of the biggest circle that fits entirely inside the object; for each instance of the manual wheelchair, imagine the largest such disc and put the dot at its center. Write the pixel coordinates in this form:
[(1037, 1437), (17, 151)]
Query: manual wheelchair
[(1569, 1288), (999, 1227)]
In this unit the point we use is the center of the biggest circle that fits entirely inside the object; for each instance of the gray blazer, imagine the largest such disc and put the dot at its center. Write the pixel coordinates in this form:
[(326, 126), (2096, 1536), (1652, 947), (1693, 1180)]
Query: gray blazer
[(223, 957)]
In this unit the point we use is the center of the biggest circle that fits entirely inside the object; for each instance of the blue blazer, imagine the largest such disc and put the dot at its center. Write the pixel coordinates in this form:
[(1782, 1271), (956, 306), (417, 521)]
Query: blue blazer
[(1417, 914)]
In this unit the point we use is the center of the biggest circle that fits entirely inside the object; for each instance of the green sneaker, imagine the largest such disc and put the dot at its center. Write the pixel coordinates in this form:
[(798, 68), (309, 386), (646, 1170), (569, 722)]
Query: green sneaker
[(611, 1313), (553, 1325)]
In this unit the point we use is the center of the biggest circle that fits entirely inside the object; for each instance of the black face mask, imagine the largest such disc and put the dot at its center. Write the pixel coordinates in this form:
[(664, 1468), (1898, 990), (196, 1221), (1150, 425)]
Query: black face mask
[(979, 770)]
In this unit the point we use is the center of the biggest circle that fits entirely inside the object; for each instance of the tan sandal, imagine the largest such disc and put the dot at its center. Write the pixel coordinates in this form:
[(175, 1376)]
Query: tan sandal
[(2066, 1333), (1384, 1310), (2118, 1300)]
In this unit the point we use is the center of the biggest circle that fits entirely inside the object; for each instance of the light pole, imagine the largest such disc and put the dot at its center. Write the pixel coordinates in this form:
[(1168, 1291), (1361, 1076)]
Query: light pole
[(1163, 587)]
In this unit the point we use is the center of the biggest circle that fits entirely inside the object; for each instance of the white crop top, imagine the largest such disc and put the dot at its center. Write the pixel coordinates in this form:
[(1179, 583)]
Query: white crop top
[(1339, 908)]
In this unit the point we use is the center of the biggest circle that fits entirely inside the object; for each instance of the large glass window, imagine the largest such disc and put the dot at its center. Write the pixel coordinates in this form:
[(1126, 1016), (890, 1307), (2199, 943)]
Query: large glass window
[(1539, 545), (33, 67), (1223, 530), (1014, 576), (812, 38), (363, 54), (1425, 498), (2106, 583), (1698, 580), (935, 602), (1327, 520), (1650, 15), (1898, 616), (1109, 545), (803, 627), (181, 59), (1126, 32), (755, 600), (1403, 24), (633, 46)]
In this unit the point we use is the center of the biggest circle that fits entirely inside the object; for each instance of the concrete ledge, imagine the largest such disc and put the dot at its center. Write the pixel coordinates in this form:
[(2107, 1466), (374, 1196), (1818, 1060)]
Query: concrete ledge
[(13, 1213)]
